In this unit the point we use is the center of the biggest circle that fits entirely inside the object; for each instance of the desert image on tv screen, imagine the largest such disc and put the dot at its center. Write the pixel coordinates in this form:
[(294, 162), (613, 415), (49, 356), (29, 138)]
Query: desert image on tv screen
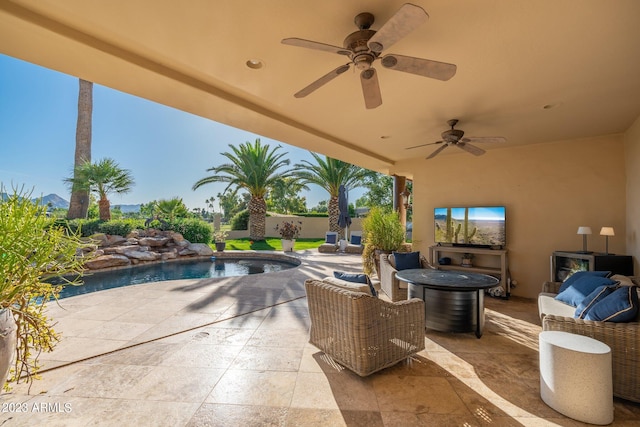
[(484, 226)]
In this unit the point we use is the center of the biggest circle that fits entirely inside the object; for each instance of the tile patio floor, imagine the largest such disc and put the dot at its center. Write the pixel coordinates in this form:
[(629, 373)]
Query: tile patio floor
[(234, 352)]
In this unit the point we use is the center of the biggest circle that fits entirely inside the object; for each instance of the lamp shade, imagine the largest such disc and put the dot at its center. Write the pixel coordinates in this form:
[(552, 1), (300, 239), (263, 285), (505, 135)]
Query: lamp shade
[(607, 231), (584, 230)]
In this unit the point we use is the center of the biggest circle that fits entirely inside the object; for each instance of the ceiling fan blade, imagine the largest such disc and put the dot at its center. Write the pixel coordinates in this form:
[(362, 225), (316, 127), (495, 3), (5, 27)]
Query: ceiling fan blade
[(424, 145), (435, 153), (405, 20), (476, 151), (294, 41), (321, 81), (421, 67), (484, 139), (370, 88)]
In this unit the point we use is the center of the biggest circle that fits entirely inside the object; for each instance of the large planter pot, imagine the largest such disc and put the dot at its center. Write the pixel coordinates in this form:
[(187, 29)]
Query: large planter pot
[(7, 342), (287, 245), (220, 246)]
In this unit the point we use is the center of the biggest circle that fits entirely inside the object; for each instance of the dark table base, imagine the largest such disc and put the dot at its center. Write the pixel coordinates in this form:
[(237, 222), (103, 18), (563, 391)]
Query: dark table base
[(451, 311)]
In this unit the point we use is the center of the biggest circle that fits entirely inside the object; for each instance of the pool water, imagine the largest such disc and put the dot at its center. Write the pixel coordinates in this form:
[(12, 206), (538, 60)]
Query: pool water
[(194, 269)]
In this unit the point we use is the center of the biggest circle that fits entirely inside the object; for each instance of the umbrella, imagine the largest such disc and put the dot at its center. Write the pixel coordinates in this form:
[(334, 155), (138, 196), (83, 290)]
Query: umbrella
[(344, 220)]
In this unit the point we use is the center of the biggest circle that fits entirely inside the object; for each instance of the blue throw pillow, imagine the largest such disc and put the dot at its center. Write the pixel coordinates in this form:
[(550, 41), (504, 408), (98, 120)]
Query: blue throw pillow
[(331, 238), (356, 278), (578, 274), (356, 240), (407, 260), (580, 288), (620, 306), (592, 299)]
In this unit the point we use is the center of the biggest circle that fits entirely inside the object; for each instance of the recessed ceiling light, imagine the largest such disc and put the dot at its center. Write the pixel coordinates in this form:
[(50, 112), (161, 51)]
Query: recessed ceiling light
[(255, 64)]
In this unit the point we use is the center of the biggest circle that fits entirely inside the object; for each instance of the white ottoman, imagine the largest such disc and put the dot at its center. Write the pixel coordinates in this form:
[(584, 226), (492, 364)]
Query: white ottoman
[(575, 376)]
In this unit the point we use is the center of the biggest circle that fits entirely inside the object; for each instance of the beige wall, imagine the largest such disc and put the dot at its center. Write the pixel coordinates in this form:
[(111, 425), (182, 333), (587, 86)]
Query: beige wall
[(549, 190), (632, 162), (311, 227)]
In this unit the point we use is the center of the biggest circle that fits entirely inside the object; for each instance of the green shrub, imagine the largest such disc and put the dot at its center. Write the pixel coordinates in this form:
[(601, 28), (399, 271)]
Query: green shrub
[(86, 227), (240, 221), (192, 229), (120, 227)]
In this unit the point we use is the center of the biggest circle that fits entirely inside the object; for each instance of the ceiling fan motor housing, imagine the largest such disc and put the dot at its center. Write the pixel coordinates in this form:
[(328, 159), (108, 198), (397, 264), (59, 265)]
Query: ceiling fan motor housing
[(452, 135), (361, 56)]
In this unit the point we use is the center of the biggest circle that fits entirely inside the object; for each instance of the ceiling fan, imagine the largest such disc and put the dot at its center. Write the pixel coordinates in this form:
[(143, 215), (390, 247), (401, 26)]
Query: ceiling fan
[(456, 137), (365, 46)]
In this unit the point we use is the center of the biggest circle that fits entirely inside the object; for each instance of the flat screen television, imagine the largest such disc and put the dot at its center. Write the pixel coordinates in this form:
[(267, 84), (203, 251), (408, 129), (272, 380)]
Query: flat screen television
[(479, 226)]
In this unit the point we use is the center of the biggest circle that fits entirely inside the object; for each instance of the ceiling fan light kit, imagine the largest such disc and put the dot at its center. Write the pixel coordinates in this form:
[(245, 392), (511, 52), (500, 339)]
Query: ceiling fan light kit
[(365, 46)]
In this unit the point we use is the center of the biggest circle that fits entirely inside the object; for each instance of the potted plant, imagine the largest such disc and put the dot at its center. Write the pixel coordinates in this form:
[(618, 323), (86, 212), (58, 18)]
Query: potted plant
[(289, 231), (220, 239), (31, 251), (383, 233)]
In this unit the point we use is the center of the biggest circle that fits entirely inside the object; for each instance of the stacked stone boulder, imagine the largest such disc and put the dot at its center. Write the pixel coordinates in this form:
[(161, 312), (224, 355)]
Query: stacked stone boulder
[(141, 246)]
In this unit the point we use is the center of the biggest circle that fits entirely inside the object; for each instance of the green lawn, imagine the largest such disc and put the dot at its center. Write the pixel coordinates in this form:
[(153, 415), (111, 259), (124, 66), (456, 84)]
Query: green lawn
[(269, 244)]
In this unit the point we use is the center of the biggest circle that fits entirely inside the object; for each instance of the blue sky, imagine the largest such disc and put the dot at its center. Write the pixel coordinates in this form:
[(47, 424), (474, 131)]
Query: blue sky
[(166, 150)]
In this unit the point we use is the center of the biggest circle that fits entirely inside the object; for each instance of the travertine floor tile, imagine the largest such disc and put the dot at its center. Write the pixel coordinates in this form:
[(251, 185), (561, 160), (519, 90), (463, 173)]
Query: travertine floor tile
[(262, 388)]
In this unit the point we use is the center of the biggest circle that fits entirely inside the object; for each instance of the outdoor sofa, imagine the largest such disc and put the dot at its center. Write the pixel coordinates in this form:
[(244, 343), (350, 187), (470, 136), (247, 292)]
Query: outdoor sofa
[(622, 338)]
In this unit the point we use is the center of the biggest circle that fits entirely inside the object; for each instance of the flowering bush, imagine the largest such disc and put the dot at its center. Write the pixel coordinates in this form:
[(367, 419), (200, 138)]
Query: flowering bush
[(289, 230), (220, 236)]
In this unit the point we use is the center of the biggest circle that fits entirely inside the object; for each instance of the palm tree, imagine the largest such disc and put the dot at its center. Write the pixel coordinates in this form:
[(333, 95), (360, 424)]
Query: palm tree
[(103, 178), (329, 174), (172, 209), (79, 202), (254, 168)]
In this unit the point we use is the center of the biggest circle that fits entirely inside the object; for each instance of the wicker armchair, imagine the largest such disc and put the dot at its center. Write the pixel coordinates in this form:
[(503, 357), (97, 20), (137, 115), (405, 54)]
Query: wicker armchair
[(388, 281), (361, 332), (622, 338)]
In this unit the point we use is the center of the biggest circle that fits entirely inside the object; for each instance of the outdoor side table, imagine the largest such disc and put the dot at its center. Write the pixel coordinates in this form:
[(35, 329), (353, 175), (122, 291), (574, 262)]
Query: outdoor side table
[(575, 376)]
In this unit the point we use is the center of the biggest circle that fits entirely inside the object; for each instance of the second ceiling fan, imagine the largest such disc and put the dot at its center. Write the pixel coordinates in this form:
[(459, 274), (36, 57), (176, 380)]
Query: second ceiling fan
[(365, 46), (456, 138)]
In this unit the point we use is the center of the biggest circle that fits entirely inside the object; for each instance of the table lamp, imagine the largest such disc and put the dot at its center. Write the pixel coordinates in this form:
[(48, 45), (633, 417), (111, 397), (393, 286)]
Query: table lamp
[(584, 231), (606, 232)]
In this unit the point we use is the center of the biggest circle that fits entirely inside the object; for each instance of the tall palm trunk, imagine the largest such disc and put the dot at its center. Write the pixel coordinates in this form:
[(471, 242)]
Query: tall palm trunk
[(79, 202), (257, 218), (334, 214)]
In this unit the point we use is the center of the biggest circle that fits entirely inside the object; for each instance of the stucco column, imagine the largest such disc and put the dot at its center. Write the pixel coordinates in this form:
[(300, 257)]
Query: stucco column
[(399, 184)]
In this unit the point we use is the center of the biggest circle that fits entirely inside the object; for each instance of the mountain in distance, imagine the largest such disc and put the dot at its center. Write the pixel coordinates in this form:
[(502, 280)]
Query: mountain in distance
[(128, 208), (58, 202), (54, 200)]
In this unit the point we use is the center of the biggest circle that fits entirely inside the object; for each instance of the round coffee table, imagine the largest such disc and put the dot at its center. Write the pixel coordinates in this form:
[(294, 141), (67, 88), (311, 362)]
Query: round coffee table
[(454, 300)]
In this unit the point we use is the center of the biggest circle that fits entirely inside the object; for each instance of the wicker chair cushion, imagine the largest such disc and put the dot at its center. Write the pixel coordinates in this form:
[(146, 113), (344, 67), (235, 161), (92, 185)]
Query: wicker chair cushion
[(349, 286), (356, 278), (620, 306), (406, 260)]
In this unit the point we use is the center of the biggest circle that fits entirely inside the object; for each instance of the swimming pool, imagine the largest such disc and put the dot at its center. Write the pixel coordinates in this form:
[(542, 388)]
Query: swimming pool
[(190, 269)]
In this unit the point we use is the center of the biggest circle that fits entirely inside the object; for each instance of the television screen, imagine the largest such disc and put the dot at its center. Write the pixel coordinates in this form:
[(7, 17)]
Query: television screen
[(483, 226)]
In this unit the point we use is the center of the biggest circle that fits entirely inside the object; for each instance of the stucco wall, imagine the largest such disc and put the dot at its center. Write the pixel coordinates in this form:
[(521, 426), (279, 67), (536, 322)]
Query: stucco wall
[(311, 227), (632, 160), (549, 190)]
